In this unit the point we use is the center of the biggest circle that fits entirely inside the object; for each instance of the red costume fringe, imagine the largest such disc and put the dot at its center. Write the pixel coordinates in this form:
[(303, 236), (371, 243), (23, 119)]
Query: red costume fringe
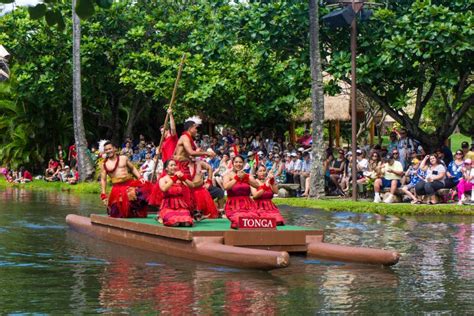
[(266, 208), (204, 202), (174, 209), (119, 204), (239, 204)]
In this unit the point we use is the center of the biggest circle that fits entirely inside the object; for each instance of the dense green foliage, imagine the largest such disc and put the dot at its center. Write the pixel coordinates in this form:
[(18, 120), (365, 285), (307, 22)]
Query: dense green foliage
[(247, 66)]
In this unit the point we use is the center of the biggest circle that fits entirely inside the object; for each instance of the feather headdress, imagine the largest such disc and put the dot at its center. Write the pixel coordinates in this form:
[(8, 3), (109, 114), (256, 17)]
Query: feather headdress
[(101, 145), (196, 119)]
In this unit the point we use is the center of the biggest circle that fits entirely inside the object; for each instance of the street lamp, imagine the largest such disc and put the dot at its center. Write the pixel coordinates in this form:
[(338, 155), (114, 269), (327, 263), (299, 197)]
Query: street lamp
[(340, 18)]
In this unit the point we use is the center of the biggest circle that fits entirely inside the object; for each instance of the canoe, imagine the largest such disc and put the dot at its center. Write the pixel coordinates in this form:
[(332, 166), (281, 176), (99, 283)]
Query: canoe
[(213, 241)]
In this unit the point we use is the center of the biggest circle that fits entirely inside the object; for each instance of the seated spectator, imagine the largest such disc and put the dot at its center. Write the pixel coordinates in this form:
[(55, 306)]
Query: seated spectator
[(214, 162), (336, 170), (278, 169), (393, 143), (73, 177), (327, 174), (147, 168), (468, 154), (392, 172), (466, 182), (305, 174), (373, 172), (136, 157), (55, 176), (23, 176), (127, 150), (440, 154), (306, 139), (454, 170), (362, 164), (347, 173), (289, 164), (65, 174), (297, 166), (414, 175), (435, 176), (52, 166)]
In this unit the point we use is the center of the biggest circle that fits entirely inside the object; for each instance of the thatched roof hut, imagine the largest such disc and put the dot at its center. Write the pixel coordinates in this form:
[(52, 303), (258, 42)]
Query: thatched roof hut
[(336, 108)]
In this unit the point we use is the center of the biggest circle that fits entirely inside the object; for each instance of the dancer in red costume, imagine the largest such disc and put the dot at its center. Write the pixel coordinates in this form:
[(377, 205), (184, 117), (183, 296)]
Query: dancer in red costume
[(170, 140), (167, 150), (174, 210), (128, 197), (263, 195), (237, 183), (186, 148), (203, 202)]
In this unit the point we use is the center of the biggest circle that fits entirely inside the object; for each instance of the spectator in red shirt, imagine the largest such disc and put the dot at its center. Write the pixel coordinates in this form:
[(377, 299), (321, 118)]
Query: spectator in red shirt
[(72, 157), (305, 140)]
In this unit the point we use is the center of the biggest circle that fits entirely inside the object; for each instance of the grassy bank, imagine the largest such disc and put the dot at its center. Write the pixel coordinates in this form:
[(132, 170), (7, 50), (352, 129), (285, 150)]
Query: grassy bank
[(381, 208), (40, 185), (326, 204)]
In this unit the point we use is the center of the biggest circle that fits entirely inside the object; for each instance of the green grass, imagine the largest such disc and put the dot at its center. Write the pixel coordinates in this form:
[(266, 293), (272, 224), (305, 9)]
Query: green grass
[(40, 185), (380, 208)]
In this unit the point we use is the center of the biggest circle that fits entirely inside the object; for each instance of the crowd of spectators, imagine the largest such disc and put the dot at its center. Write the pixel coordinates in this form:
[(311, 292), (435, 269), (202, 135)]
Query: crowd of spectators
[(402, 166)]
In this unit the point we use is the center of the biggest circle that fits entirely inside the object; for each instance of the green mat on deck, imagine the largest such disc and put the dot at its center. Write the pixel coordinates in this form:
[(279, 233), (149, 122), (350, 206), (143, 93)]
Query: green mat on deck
[(207, 225)]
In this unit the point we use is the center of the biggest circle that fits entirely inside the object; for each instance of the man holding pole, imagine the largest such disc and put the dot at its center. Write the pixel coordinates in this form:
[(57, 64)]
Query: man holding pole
[(186, 148)]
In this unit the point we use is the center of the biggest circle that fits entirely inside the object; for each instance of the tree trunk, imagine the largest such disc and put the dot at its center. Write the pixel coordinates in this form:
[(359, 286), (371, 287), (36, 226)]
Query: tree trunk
[(137, 109), (317, 101), (85, 167)]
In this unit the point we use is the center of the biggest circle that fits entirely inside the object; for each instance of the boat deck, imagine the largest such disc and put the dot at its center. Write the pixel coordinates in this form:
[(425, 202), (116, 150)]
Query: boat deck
[(292, 238)]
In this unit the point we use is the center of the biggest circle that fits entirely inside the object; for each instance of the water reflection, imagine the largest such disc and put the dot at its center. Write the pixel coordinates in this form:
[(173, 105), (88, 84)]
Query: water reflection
[(63, 272)]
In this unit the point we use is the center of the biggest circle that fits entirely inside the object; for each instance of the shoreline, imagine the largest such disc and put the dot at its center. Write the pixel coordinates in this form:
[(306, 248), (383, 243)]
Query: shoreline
[(327, 204)]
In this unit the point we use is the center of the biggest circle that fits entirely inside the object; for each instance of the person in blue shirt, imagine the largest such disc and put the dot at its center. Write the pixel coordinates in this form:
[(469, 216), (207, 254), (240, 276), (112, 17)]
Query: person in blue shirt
[(414, 174), (214, 162), (454, 170)]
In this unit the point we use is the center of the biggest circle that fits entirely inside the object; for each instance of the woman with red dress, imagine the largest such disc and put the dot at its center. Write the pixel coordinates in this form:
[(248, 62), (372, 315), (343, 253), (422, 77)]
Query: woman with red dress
[(238, 183), (203, 202), (174, 210), (263, 195)]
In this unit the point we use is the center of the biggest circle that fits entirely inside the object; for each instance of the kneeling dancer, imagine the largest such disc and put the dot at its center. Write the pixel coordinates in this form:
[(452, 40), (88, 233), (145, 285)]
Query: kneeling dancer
[(263, 195), (174, 210), (128, 197), (237, 183)]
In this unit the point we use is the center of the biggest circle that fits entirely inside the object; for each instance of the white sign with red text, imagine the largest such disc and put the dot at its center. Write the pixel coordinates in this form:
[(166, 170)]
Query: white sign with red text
[(257, 223)]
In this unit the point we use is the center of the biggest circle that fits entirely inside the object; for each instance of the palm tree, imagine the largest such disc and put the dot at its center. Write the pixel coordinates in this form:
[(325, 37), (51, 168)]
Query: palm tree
[(317, 101), (85, 167)]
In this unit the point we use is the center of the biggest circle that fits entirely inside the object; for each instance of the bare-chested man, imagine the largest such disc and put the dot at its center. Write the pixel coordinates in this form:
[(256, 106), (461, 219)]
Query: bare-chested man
[(128, 197), (186, 148)]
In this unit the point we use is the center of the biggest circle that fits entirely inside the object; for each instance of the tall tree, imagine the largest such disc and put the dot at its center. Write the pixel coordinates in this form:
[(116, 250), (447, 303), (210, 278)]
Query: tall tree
[(85, 167), (317, 101)]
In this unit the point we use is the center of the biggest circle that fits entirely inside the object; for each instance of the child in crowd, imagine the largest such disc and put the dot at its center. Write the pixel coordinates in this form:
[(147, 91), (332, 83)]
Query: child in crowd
[(466, 182), (414, 174)]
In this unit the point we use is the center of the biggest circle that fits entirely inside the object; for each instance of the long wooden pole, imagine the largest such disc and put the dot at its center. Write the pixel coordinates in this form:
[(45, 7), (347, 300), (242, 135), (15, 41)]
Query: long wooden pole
[(165, 125)]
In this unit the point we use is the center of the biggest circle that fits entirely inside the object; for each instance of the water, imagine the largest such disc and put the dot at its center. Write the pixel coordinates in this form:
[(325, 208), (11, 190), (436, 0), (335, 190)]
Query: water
[(47, 269)]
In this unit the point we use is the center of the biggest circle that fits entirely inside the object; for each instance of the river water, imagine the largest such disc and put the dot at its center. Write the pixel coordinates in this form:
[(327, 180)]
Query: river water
[(47, 269)]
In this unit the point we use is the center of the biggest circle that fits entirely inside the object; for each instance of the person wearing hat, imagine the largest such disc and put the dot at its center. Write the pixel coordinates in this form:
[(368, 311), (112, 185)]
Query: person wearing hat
[(468, 154), (392, 171), (250, 164), (466, 183), (414, 174)]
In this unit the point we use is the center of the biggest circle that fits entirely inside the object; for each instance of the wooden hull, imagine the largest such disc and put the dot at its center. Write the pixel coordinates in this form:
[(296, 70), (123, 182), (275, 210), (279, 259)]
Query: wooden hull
[(256, 249)]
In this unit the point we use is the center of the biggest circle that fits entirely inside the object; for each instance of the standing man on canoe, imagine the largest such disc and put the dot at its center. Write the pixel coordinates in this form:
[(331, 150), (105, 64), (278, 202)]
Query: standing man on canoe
[(170, 139), (186, 148), (128, 197)]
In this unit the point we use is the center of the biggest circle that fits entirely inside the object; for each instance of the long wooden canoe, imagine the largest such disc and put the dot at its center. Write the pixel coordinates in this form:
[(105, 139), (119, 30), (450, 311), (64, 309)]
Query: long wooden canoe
[(213, 241)]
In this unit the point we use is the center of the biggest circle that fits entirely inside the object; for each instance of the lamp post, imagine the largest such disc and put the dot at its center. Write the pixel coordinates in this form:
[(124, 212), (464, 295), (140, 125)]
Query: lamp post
[(340, 18)]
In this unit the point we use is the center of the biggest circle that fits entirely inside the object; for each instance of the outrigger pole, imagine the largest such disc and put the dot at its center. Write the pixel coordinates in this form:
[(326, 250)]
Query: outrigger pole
[(165, 125)]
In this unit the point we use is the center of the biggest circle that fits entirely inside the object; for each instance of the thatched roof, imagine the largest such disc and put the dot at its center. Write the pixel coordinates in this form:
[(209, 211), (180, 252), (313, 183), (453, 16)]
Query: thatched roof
[(336, 108)]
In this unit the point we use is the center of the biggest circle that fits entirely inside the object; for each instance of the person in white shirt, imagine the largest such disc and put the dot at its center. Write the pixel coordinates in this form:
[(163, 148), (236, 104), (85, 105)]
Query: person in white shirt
[(146, 170), (434, 180)]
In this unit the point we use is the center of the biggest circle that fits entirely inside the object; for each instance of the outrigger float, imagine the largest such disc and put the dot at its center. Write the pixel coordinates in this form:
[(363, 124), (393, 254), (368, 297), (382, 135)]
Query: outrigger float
[(213, 241)]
